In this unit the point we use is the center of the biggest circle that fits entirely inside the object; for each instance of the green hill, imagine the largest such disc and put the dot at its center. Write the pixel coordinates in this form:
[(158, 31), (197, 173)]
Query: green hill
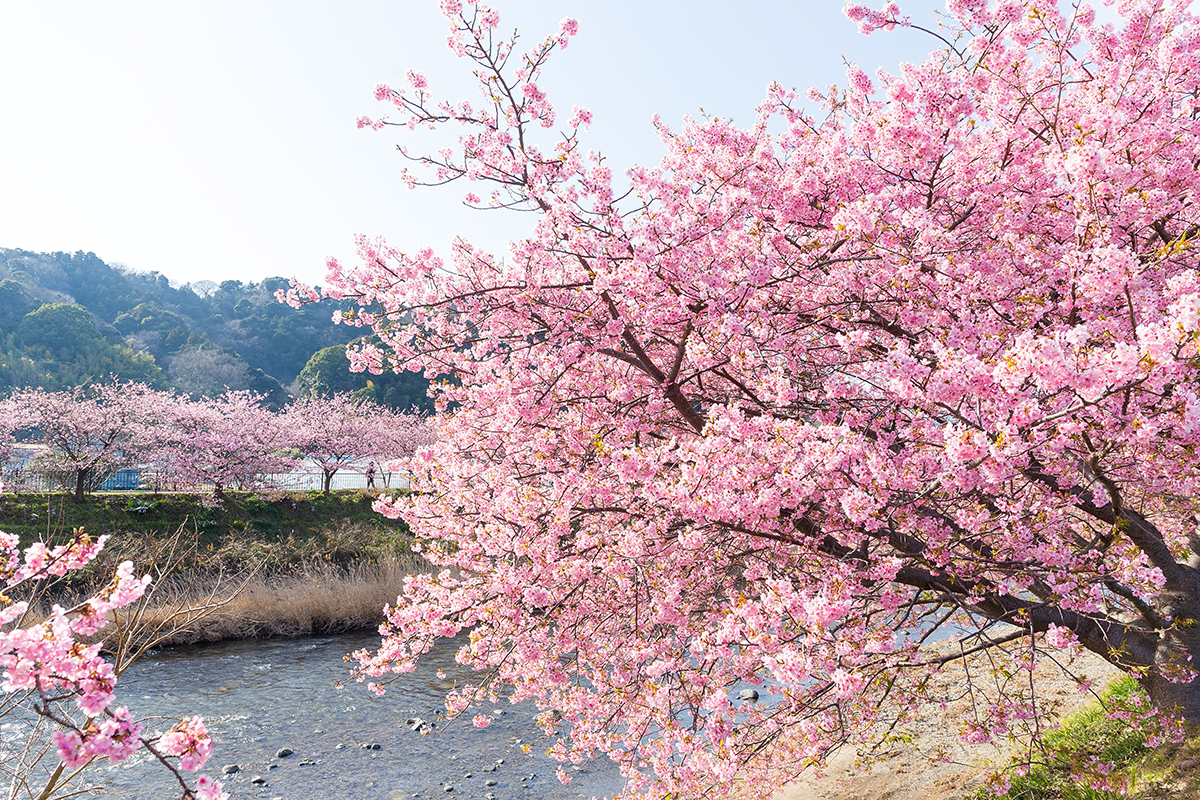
[(68, 319)]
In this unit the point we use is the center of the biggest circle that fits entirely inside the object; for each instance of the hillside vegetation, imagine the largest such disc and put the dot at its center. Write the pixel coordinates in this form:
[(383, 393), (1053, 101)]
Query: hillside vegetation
[(69, 319)]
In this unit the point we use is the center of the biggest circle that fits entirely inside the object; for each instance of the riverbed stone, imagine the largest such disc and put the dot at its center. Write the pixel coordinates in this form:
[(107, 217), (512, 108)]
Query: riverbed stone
[(447, 788), (490, 796), (489, 783), (284, 752), (258, 780), (230, 769), (748, 695)]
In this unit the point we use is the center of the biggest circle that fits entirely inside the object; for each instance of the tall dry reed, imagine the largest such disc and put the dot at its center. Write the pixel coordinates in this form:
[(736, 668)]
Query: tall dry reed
[(319, 597)]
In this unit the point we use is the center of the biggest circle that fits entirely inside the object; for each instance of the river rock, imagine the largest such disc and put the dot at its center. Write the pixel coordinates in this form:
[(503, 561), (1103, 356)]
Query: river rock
[(371, 746), (230, 769), (447, 788), (490, 796), (489, 783), (258, 780), (284, 752), (748, 695)]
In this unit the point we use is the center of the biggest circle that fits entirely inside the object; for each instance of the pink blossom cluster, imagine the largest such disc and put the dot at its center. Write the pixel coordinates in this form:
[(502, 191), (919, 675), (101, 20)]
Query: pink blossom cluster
[(915, 361), (44, 665)]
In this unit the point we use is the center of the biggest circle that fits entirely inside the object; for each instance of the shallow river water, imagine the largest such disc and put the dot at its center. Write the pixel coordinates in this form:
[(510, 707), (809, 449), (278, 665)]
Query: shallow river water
[(260, 696)]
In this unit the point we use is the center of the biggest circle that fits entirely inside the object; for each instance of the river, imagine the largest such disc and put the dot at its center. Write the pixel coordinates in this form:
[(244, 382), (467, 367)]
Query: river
[(260, 696)]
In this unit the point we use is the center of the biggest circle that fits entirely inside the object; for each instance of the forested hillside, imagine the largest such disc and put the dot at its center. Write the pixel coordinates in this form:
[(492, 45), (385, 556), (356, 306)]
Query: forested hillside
[(68, 319)]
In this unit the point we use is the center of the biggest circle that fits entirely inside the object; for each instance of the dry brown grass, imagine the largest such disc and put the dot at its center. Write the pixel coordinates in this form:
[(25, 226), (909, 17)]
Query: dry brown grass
[(246, 589), (320, 597)]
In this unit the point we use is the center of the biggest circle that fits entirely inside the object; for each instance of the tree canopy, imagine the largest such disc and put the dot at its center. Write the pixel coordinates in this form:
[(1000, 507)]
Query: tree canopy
[(908, 360)]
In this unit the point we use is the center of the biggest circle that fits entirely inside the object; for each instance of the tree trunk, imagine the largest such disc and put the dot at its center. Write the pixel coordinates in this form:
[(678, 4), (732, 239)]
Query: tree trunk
[(328, 480), (80, 482), (1178, 650)]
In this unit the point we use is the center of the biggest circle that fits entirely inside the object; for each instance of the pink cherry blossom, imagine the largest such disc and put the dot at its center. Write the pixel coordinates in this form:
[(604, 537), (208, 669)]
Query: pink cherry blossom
[(43, 665), (912, 357)]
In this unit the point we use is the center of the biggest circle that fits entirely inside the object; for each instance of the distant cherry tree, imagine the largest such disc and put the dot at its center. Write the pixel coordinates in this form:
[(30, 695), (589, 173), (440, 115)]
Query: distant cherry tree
[(87, 430), (337, 433), (229, 441)]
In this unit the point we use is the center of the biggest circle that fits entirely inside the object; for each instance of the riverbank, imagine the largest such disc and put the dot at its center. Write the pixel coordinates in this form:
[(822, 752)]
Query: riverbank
[(930, 761), (254, 567), (256, 516), (317, 598)]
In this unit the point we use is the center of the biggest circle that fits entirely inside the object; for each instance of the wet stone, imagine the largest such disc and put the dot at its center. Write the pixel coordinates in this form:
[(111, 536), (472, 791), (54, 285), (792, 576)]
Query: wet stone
[(489, 783), (258, 780), (230, 769), (284, 752)]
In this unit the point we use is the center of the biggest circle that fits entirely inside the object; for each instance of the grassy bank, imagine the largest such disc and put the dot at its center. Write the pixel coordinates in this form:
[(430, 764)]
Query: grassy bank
[(1167, 772), (256, 566), (268, 517)]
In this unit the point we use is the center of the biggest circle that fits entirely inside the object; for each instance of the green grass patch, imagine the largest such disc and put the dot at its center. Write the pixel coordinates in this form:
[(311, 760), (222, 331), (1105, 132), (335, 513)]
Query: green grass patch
[(1090, 736), (271, 517)]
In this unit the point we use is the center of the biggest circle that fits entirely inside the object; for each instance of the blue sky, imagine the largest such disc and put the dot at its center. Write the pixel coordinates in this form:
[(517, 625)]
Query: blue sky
[(217, 140)]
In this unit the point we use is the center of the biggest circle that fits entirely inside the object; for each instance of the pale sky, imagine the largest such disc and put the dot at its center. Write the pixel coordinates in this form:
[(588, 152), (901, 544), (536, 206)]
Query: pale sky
[(217, 140)]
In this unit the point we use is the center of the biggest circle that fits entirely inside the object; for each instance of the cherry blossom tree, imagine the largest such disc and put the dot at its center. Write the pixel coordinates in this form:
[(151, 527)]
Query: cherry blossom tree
[(903, 361), (49, 673), (227, 441), (338, 432), (86, 429)]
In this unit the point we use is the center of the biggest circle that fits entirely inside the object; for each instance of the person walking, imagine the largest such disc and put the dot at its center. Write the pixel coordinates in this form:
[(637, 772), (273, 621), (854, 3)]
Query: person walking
[(371, 475)]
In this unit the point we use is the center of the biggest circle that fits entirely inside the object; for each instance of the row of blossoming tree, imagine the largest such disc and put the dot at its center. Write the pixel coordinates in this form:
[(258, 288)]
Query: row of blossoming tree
[(908, 361), (225, 442)]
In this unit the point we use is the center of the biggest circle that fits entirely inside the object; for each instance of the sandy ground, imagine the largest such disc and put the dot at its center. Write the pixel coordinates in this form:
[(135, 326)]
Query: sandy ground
[(938, 765)]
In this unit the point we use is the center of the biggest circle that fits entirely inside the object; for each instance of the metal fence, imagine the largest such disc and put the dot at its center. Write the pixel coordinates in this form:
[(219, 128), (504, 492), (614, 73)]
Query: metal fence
[(127, 479)]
